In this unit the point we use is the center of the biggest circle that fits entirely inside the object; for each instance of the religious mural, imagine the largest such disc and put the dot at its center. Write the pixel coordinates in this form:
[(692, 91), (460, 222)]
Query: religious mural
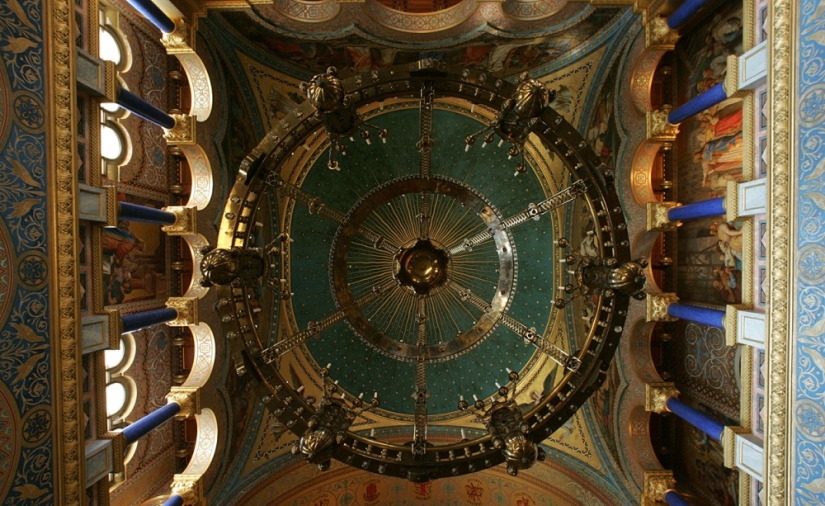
[(710, 251), (353, 54), (134, 259)]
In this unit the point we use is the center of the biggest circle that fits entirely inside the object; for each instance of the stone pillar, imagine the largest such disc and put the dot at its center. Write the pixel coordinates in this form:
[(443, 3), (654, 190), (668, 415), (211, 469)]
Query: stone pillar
[(144, 214), (137, 321), (150, 422), (696, 314), (699, 103), (685, 11), (144, 109), (153, 13), (702, 209), (661, 398), (674, 499)]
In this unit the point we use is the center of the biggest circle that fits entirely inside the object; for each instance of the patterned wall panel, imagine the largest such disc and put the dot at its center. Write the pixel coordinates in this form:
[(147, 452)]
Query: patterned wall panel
[(26, 395)]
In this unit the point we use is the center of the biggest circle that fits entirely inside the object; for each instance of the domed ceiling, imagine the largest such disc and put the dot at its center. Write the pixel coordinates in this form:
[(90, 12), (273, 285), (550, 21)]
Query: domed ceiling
[(259, 67)]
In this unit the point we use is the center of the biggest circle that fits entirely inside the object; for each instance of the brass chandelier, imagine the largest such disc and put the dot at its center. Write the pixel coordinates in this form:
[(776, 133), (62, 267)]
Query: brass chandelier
[(426, 261)]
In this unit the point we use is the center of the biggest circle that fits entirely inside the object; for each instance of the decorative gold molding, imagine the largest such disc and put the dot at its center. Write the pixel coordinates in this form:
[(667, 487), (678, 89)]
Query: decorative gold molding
[(657, 483), (110, 84), (657, 394), (115, 327), (658, 35), (781, 83), (118, 450), (657, 216), (64, 301), (111, 206), (749, 159), (729, 444), (746, 388), (749, 282), (182, 132), (658, 127), (189, 399), (187, 308), (731, 322), (731, 200), (186, 221), (731, 82)]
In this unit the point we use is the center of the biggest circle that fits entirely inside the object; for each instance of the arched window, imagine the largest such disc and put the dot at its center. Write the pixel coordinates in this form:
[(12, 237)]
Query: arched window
[(121, 391)]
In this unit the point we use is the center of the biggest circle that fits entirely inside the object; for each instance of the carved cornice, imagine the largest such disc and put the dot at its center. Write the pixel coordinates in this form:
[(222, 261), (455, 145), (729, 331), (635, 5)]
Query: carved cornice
[(657, 394), (62, 204), (729, 444), (187, 308), (186, 221), (657, 216), (183, 132), (189, 399), (178, 41), (111, 206), (657, 483), (658, 127), (748, 278), (658, 35)]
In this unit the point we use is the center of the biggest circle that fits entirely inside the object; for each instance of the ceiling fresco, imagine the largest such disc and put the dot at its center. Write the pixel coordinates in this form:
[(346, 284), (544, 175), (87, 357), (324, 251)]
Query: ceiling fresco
[(502, 54), (262, 88)]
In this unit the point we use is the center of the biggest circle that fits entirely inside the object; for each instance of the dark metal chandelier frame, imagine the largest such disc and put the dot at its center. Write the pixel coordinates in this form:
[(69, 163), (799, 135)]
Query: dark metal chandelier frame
[(421, 460)]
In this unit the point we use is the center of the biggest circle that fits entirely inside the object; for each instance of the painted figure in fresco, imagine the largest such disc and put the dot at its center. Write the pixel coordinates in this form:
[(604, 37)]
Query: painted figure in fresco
[(727, 282), (730, 243)]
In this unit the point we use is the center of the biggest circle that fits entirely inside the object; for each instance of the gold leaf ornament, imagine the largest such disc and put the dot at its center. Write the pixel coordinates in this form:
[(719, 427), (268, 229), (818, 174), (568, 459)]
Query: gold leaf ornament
[(818, 199), (23, 174), (19, 44), (23, 207), (26, 332), (29, 491), (26, 368)]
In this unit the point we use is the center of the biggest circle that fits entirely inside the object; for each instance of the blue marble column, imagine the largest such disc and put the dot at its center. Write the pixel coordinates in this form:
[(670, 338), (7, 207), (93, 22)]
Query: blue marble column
[(698, 104), (672, 498), (137, 321), (144, 214), (703, 209), (705, 316), (153, 13), (144, 109), (685, 11), (174, 500), (150, 422), (713, 428)]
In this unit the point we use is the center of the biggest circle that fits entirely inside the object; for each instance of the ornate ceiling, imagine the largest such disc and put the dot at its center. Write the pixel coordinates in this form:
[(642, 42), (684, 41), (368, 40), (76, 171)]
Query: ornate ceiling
[(576, 52)]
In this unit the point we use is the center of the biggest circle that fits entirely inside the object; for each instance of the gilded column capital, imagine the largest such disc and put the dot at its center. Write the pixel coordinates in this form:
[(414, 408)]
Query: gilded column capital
[(187, 308), (658, 127), (178, 41), (657, 394), (657, 304), (186, 221), (729, 444), (188, 487), (184, 130), (657, 216), (731, 82), (657, 483), (189, 399), (658, 35)]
